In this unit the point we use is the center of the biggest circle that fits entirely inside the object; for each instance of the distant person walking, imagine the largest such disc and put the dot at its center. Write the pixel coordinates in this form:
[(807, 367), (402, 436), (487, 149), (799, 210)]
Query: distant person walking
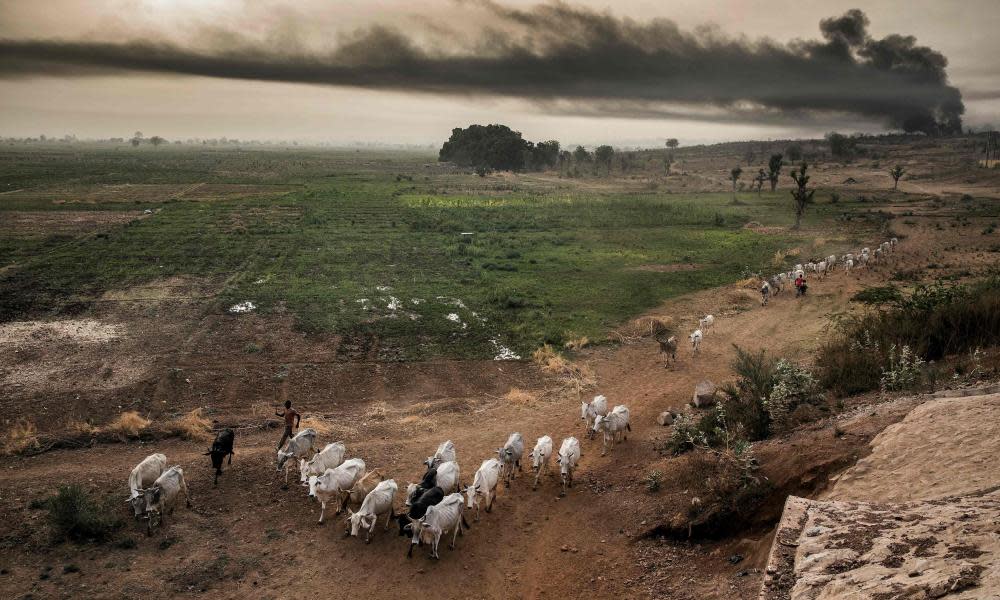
[(800, 286), (765, 293), (291, 416)]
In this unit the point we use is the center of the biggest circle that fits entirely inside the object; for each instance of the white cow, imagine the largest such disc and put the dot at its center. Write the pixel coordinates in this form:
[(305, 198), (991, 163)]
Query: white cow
[(569, 456), (162, 496), (448, 476), (615, 426), (706, 323), (848, 265), (848, 256), (510, 456), (821, 267), (377, 502), (484, 485), (336, 483), (765, 294), (330, 457), (540, 457), (696, 340), (444, 517), (589, 411), (445, 453), (893, 242), (297, 447), (145, 473), (831, 260)]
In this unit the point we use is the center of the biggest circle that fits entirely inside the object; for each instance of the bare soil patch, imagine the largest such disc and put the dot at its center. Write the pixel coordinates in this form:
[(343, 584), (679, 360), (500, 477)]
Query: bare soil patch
[(75, 222)]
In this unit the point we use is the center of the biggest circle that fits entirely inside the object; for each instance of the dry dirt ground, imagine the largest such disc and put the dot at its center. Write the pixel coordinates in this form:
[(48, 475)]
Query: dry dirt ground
[(157, 350)]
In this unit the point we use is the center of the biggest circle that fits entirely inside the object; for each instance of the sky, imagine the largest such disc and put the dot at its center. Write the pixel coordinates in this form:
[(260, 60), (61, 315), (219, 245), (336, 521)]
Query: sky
[(629, 73)]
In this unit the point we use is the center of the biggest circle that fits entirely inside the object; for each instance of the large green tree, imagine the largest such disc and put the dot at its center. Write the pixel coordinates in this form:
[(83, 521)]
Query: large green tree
[(496, 147)]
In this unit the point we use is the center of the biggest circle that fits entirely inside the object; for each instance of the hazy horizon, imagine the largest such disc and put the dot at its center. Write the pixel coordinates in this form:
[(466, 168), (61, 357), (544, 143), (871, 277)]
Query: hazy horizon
[(399, 74)]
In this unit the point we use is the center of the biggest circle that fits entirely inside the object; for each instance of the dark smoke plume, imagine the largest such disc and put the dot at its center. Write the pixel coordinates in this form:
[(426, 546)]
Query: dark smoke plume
[(556, 53)]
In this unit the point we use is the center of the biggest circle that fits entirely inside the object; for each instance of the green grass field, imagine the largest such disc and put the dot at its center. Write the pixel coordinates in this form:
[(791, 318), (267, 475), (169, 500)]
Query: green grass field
[(369, 244)]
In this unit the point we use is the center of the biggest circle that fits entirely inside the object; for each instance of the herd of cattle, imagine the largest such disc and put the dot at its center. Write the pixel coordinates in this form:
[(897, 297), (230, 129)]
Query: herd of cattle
[(773, 286), (848, 262), (434, 507)]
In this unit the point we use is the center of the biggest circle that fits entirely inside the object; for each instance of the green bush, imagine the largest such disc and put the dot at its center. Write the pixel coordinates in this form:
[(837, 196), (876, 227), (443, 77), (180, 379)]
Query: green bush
[(75, 516), (933, 322), (794, 387), (887, 294)]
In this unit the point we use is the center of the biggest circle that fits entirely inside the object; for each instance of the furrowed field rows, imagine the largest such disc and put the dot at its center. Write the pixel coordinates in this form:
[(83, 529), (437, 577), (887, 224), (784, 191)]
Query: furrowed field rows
[(369, 255)]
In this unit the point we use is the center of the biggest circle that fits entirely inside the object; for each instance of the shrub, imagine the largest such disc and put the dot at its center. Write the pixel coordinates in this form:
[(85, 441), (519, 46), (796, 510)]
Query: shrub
[(903, 371), (653, 481), (888, 294), (128, 424), (191, 426), (934, 321), (75, 516), (683, 434), (794, 388), (20, 437)]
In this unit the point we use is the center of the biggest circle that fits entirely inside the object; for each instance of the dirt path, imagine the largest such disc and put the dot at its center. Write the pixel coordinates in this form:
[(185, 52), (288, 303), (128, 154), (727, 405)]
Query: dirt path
[(250, 537)]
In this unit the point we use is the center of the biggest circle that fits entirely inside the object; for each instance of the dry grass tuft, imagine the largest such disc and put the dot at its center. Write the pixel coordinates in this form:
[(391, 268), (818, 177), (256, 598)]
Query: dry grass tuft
[(576, 375), (642, 327), (750, 283), (23, 435), (322, 426), (82, 428), (577, 343), (128, 424), (192, 426), (519, 396), (741, 297), (779, 257), (376, 412)]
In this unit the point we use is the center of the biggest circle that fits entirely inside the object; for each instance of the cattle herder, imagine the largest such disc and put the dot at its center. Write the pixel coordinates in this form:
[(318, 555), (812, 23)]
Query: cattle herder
[(291, 416)]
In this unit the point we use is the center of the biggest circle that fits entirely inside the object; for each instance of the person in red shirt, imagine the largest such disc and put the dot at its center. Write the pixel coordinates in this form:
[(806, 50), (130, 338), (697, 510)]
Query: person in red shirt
[(800, 285), (291, 416)]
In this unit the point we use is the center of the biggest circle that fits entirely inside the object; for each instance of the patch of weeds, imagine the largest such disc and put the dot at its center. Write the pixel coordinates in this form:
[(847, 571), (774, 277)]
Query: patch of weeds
[(75, 516), (167, 542), (653, 481), (126, 544), (888, 294)]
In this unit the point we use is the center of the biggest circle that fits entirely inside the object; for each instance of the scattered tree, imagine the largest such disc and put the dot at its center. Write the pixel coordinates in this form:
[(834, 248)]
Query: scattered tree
[(156, 140), (672, 143), (841, 146), (734, 174), (793, 152), (603, 156), (801, 195), (896, 172), (774, 170), (750, 156), (759, 180)]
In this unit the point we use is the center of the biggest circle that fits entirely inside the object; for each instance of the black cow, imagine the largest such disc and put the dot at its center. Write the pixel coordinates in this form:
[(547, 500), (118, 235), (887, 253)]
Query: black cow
[(429, 480), (222, 446), (418, 507)]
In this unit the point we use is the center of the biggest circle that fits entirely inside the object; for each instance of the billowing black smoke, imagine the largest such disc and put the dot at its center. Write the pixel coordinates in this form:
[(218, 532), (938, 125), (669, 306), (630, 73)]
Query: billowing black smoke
[(556, 53)]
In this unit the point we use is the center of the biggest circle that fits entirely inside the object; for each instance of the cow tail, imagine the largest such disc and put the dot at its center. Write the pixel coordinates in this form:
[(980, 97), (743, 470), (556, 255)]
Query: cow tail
[(628, 426)]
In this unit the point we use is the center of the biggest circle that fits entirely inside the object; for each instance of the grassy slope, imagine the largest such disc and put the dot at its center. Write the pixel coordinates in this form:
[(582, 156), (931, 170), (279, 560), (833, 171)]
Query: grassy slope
[(545, 264)]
